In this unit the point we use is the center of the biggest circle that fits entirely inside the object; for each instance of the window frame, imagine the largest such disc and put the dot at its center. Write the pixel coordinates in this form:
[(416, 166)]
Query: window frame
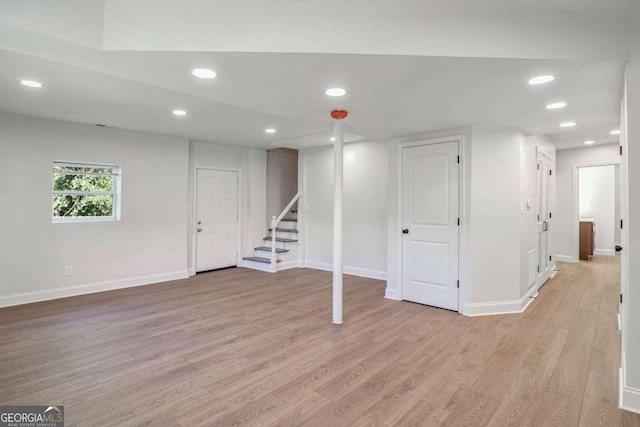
[(115, 193)]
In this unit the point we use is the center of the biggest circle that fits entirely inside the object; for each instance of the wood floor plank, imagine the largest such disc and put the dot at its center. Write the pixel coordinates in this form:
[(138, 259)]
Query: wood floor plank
[(470, 409), (242, 347), (354, 405), (520, 405), (422, 413), (392, 406), (556, 411)]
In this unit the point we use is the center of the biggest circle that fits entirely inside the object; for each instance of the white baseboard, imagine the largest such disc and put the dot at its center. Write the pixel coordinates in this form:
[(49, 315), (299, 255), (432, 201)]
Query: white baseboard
[(604, 252), (191, 272), (286, 265), (393, 294), (109, 285), (619, 322), (354, 271), (500, 307), (629, 396), (566, 258)]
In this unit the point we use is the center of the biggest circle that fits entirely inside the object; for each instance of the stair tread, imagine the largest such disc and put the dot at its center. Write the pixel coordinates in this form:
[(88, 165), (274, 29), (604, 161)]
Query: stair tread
[(287, 230), (281, 239), (258, 259), (289, 219), (268, 249)]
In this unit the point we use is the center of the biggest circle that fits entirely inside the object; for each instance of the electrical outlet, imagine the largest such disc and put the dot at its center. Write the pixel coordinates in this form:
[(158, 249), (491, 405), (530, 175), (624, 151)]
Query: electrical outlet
[(69, 271)]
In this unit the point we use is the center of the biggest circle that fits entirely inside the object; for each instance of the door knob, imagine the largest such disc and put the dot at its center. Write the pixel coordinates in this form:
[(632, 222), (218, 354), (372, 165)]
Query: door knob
[(405, 231), (199, 222), (199, 230)]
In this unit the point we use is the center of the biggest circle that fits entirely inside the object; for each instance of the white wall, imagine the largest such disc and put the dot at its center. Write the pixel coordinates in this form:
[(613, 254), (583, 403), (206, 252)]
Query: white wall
[(528, 216), (618, 207), (630, 381), (564, 233), (282, 180), (252, 166), (490, 258), (365, 207), (495, 217), (596, 200), (148, 244)]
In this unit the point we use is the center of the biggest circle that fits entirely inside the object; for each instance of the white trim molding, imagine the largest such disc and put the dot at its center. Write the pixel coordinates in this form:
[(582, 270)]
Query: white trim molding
[(500, 307), (604, 252), (354, 271), (286, 265), (566, 258), (392, 294), (109, 285), (629, 398)]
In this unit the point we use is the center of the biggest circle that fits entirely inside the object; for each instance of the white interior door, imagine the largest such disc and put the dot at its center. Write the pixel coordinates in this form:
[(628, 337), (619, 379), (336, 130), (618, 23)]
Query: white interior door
[(216, 219), (430, 218), (544, 218)]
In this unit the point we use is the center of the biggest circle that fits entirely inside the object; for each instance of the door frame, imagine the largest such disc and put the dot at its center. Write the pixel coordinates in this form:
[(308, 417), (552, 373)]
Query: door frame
[(575, 217), (550, 196), (462, 207), (194, 213)]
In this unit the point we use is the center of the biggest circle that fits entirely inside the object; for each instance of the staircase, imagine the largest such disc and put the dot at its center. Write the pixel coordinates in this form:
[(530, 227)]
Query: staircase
[(286, 246)]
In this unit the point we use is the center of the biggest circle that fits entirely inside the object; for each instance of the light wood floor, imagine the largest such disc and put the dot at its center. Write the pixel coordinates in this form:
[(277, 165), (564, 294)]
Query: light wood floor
[(242, 347)]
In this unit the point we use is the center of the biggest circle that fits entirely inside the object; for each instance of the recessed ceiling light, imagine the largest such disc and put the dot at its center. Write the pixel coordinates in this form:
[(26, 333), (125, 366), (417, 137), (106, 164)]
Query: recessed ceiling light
[(615, 132), (333, 138), (540, 80), (589, 142), (31, 83), (336, 91), (556, 105), (204, 73), (568, 124), (269, 130), (179, 113)]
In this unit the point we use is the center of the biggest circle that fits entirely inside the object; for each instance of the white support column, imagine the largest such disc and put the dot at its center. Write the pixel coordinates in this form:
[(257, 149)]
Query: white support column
[(337, 223)]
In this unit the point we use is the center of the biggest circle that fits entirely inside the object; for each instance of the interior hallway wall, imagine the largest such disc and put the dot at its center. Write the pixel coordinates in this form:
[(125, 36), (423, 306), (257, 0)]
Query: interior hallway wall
[(630, 381), (529, 215)]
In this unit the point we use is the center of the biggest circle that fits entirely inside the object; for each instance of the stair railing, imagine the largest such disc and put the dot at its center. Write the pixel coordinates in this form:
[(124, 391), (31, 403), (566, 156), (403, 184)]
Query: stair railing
[(274, 224)]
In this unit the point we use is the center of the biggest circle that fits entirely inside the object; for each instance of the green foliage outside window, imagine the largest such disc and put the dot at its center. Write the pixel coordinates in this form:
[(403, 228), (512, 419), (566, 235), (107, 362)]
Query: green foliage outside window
[(83, 191)]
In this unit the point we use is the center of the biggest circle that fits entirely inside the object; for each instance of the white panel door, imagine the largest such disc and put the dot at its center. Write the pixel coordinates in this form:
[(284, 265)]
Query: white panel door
[(544, 219), (216, 219), (430, 218)]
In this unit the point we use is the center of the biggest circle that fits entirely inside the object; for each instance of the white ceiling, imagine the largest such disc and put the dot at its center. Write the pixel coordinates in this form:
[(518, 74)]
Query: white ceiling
[(388, 96), (575, 139), (614, 7)]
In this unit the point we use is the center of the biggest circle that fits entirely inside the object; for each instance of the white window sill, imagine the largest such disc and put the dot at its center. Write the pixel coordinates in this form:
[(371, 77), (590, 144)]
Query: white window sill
[(83, 219)]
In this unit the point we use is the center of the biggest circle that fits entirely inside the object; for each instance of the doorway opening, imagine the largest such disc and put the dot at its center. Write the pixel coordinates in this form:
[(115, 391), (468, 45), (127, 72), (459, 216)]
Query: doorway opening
[(597, 220)]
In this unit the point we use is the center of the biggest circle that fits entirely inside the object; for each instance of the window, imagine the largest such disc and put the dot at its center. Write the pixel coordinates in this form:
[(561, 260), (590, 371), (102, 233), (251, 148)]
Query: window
[(84, 191)]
